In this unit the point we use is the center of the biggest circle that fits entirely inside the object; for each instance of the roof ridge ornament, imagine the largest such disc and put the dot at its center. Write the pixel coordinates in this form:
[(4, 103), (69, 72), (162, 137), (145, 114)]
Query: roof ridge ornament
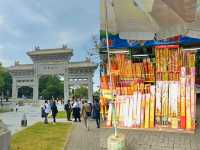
[(37, 48), (64, 46), (17, 62)]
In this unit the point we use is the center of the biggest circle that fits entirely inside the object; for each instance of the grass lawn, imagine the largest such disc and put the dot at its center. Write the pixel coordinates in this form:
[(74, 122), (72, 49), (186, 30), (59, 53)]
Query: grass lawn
[(60, 115), (41, 137)]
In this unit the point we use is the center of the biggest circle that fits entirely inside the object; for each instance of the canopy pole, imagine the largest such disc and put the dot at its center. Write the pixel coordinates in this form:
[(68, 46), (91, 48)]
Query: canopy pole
[(109, 64)]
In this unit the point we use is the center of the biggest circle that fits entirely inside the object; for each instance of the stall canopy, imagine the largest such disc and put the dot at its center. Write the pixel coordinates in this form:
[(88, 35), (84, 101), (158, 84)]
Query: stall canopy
[(133, 20)]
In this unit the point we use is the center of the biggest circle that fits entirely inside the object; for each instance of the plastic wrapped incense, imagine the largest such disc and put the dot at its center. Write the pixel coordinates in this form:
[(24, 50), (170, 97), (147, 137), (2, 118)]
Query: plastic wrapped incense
[(146, 124), (142, 110), (139, 99), (152, 106), (105, 81), (126, 111), (165, 103), (109, 118), (193, 97), (158, 102), (134, 106), (131, 109), (183, 98), (121, 113), (173, 103), (188, 104)]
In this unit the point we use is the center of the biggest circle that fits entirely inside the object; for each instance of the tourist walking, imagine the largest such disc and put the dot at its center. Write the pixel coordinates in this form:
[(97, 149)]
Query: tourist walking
[(86, 110), (17, 107), (76, 111), (45, 110), (68, 109), (54, 111), (79, 109), (96, 109)]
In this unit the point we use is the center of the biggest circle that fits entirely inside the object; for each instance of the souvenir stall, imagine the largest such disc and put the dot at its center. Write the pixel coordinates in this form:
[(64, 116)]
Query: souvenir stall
[(151, 92), (157, 90)]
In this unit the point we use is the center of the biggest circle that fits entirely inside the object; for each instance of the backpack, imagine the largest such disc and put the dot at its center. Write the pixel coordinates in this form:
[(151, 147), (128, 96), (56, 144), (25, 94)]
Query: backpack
[(42, 112)]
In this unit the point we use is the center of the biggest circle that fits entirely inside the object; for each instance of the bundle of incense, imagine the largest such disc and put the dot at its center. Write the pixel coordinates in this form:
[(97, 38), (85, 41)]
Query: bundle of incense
[(142, 110), (158, 61), (188, 104), (114, 67), (130, 100), (126, 111), (102, 104), (109, 118), (134, 106), (139, 99), (152, 106), (173, 103), (164, 103), (148, 69), (120, 59), (165, 64), (121, 112), (183, 98), (117, 107), (104, 83), (128, 69), (158, 102), (151, 70), (118, 90), (147, 104), (193, 97)]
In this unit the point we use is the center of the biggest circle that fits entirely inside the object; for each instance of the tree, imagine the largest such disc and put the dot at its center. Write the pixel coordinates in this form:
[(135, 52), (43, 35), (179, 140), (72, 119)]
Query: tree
[(51, 87), (5, 82), (81, 92)]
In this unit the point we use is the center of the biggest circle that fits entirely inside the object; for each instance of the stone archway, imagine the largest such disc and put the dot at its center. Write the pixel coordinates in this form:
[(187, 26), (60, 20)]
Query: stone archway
[(25, 92), (52, 62)]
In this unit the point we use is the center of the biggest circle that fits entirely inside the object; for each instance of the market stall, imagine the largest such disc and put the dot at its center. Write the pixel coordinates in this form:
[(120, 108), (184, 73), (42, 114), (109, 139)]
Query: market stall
[(154, 91)]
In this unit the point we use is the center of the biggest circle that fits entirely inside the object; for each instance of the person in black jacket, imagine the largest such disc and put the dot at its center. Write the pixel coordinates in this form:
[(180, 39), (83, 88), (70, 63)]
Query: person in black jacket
[(54, 111), (96, 109), (68, 110)]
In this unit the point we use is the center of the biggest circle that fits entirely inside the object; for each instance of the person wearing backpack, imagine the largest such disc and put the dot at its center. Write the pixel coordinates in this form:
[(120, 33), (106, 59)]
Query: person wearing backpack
[(54, 111), (68, 110), (96, 109), (85, 113)]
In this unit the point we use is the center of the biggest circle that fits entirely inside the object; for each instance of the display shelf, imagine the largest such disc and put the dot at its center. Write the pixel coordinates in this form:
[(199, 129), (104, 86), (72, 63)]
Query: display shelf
[(168, 130)]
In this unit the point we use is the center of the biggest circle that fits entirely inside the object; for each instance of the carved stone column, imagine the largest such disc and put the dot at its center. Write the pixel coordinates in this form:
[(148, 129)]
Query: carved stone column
[(14, 88), (35, 84), (90, 88), (66, 82)]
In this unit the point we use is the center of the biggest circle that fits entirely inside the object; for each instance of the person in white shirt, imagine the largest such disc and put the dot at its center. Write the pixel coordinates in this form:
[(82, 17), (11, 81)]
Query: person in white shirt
[(47, 110), (76, 111)]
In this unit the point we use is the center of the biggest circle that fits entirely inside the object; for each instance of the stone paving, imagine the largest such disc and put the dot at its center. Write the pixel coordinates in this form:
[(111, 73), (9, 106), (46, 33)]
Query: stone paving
[(13, 119), (33, 114), (95, 139)]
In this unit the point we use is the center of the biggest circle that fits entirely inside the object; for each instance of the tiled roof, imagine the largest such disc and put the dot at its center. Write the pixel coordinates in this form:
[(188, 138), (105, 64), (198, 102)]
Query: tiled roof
[(71, 65), (50, 51)]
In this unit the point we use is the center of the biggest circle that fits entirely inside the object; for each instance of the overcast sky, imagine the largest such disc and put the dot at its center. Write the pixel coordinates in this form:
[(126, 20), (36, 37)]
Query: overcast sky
[(47, 23)]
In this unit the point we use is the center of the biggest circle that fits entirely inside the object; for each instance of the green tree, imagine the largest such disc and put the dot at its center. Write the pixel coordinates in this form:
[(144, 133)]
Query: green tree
[(51, 86), (81, 92), (5, 82)]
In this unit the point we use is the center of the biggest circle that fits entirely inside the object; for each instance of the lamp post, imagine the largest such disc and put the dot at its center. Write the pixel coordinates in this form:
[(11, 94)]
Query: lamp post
[(116, 141)]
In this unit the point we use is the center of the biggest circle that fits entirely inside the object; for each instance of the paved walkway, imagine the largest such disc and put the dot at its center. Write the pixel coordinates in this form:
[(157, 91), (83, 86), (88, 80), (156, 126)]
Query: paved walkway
[(33, 114), (13, 119), (95, 139)]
